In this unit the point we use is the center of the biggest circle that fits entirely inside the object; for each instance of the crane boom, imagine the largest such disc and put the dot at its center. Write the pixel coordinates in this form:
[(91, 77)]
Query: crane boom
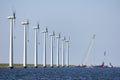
[(89, 50)]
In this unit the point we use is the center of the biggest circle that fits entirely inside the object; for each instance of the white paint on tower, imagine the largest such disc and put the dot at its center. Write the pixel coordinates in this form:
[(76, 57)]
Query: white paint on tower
[(36, 46), (58, 37), (44, 47), (11, 18), (25, 24)]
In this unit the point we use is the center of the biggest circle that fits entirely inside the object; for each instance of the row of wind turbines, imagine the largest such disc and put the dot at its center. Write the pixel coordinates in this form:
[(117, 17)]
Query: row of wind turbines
[(52, 35)]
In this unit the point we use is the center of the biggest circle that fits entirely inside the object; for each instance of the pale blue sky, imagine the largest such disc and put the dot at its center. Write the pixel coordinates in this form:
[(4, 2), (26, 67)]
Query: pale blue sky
[(79, 19)]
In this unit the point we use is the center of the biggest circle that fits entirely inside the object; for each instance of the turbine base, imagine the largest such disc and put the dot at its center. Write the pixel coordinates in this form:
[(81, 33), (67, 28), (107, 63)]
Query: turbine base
[(36, 66), (25, 66), (11, 67)]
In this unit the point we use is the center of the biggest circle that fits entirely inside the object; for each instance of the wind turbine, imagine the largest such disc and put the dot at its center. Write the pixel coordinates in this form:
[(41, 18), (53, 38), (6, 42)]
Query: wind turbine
[(11, 18), (58, 37), (44, 47), (52, 36), (25, 24), (63, 41), (67, 52), (36, 47)]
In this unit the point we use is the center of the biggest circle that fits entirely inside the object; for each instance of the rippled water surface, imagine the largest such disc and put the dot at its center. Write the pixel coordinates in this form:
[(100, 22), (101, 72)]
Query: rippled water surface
[(60, 74)]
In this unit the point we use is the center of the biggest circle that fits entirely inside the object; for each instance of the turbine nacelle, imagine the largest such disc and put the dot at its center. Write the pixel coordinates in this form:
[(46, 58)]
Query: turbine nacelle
[(12, 17), (45, 31), (52, 34), (63, 38), (25, 23), (37, 27), (58, 36), (68, 40)]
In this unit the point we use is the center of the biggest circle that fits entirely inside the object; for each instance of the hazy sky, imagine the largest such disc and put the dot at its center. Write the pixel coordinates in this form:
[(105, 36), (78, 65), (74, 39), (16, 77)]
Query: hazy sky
[(79, 19)]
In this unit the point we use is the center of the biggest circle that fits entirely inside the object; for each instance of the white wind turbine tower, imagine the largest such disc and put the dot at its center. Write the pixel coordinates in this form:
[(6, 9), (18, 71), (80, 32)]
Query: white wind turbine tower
[(11, 18), (36, 47), (25, 24), (44, 47), (63, 41), (52, 36), (58, 37), (67, 52)]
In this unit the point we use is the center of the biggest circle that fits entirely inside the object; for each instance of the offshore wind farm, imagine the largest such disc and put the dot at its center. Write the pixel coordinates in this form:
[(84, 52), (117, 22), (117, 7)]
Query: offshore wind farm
[(79, 21), (45, 32), (59, 39), (64, 46)]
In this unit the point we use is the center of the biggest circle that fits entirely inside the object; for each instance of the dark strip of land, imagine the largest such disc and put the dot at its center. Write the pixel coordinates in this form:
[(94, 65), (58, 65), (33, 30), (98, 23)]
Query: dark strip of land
[(4, 65)]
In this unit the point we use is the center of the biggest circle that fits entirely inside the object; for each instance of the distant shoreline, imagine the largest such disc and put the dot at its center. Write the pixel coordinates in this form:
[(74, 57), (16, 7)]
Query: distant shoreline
[(5, 65)]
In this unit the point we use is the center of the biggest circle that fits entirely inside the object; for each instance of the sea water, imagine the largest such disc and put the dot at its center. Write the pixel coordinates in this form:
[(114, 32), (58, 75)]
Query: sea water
[(60, 73)]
